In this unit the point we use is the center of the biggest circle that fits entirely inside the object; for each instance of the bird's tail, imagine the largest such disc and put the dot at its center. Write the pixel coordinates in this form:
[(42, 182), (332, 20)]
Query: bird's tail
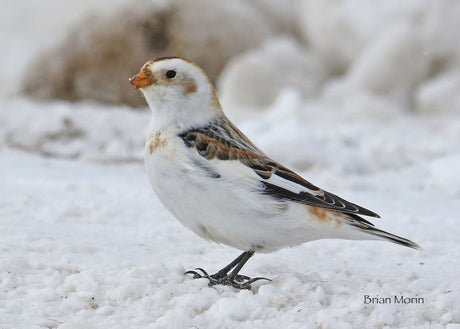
[(389, 236)]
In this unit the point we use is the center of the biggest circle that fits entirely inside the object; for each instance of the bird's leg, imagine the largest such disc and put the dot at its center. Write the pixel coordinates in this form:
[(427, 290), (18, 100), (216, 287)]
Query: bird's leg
[(233, 279), (223, 272)]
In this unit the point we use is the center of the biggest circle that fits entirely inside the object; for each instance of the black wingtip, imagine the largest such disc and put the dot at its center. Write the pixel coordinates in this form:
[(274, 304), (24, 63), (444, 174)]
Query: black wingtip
[(392, 237), (406, 243), (367, 212)]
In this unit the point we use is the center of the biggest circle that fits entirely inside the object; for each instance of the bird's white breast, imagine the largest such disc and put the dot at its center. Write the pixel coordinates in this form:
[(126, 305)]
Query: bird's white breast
[(174, 180), (227, 208), (214, 208)]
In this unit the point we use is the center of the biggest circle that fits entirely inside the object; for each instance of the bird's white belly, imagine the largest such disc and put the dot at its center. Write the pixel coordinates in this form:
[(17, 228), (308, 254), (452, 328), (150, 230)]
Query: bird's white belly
[(206, 205), (226, 212), (198, 205)]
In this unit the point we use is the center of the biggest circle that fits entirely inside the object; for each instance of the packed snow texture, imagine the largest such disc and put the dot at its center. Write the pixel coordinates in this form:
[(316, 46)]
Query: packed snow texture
[(85, 243)]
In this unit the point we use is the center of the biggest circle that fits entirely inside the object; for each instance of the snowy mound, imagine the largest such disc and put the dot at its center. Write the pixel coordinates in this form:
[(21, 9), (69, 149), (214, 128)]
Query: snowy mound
[(390, 53), (95, 60), (256, 77)]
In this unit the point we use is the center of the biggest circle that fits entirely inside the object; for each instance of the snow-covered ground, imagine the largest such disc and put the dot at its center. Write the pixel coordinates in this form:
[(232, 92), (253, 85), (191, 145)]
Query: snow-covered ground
[(86, 244)]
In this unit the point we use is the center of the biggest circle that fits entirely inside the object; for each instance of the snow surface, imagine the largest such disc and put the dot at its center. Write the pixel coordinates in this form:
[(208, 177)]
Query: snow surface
[(86, 244)]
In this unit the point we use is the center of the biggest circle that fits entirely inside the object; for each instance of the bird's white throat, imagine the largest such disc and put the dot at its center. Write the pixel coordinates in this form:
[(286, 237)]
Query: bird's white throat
[(173, 110)]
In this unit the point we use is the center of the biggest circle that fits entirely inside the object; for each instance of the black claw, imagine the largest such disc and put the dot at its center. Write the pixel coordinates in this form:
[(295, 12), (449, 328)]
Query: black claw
[(257, 279), (238, 281), (197, 275), (205, 274), (233, 279)]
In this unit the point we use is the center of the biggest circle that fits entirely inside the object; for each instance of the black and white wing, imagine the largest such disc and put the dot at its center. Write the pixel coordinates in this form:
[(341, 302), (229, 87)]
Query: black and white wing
[(222, 140)]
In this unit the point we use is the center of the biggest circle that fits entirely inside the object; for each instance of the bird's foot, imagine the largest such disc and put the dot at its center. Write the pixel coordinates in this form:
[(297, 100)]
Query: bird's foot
[(238, 281)]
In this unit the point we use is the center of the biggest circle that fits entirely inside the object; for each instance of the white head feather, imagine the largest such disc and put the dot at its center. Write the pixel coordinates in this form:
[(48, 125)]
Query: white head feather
[(179, 94)]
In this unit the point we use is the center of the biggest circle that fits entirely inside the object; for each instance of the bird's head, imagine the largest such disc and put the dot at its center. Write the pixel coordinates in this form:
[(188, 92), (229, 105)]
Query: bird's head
[(178, 92)]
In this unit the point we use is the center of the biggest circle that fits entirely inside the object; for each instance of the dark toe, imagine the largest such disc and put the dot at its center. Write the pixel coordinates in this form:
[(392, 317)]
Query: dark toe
[(238, 281), (197, 275)]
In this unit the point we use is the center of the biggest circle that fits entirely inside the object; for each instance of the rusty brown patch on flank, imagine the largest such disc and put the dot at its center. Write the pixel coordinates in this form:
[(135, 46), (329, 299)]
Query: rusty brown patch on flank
[(324, 215), (321, 214), (156, 142)]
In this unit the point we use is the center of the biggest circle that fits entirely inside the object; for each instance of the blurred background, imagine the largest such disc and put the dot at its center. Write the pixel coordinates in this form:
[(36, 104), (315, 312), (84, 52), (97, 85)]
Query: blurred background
[(373, 85), (360, 97)]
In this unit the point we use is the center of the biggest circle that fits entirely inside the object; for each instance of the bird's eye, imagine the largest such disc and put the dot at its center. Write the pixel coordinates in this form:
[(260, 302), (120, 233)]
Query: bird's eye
[(170, 74)]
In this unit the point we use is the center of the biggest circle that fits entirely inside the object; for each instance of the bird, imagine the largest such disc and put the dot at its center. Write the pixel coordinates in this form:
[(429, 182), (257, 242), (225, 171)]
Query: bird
[(221, 186)]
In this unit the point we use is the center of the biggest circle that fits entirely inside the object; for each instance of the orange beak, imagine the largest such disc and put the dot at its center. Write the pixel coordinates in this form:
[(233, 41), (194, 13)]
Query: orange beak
[(140, 80)]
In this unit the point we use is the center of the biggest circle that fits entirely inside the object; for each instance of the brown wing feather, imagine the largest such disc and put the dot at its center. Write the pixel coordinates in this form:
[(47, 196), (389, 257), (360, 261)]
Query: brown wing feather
[(224, 141)]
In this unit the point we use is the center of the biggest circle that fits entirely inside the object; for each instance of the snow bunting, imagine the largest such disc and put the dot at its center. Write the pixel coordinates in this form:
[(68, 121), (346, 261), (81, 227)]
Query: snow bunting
[(218, 184)]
